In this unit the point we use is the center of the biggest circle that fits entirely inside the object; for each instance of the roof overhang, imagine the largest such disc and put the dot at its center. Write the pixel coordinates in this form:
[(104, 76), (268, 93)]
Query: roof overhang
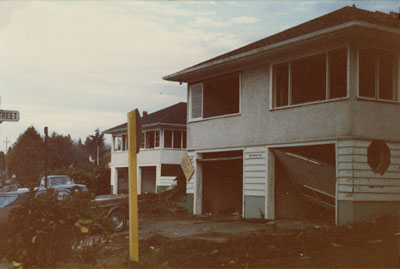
[(248, 58)]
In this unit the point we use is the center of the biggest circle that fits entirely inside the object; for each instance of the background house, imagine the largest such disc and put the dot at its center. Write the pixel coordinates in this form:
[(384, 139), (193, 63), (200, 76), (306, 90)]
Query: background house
[(308, 114), (163, 145)]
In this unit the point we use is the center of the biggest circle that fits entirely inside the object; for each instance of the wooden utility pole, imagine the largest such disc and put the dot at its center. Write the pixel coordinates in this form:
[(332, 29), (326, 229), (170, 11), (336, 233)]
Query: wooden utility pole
[(5, 156), (133, 148)]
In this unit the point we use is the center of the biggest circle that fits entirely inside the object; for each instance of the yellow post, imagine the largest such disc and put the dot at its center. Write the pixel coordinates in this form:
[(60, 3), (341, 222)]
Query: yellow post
[(133, 202)]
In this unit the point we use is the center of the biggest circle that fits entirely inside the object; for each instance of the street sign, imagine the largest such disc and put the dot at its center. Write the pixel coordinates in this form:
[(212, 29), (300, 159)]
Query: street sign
[(187, 167), (9, 115)]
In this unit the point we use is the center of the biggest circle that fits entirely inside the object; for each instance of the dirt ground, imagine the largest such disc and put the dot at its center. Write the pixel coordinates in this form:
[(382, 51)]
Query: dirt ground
[(183, 241)]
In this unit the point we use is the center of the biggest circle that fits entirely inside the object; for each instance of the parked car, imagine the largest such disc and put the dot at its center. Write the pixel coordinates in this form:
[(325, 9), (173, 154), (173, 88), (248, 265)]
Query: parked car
[(61, 182), (116, 208), (9, 200)]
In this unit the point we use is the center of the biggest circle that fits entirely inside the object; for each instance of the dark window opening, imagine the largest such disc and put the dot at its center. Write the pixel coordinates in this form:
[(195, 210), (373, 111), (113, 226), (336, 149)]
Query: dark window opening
[(167, 139), (184, 140), (221, 96), (177, 139), (170, 170), (149, 140), (367, 59), (337, 73), (281, 84), (386, 75), (309, 79)]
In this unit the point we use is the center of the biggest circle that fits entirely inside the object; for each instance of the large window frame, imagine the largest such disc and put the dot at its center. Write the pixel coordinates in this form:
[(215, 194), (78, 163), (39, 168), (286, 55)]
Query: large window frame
[(120, 143), (196, 96), (182, 143), (156, 137), (273, 94), (376, 79)]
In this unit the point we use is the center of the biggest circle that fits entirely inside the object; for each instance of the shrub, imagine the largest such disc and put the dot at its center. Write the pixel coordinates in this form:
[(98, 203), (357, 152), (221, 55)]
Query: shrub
[(46, 230)]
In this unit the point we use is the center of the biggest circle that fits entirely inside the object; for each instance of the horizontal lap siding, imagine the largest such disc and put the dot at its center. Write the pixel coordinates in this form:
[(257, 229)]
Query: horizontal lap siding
[(166, 181), (357, 181), (254, 171)]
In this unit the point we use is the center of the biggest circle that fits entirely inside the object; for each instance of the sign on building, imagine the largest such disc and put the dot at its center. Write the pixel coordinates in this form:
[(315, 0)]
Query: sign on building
[(9, 115), (187, 167)]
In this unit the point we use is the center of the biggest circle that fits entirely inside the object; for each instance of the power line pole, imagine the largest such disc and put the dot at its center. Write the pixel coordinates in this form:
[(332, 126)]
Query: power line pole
[(5, 156)]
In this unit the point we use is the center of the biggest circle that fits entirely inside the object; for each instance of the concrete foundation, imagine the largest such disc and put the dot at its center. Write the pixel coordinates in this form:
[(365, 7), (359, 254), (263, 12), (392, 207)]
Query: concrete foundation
[(353, 211)]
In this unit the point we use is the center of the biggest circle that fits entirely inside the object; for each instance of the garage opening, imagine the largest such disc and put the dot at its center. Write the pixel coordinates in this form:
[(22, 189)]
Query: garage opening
[(148, 179), (305, 182), (222, 183)]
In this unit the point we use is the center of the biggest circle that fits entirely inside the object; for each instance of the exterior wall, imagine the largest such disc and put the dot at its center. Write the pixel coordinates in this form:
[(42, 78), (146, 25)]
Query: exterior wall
[(361, 193)]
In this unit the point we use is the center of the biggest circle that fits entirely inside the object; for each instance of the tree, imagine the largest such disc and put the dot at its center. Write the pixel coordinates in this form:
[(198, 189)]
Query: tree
[(96, 148), (25, 158)]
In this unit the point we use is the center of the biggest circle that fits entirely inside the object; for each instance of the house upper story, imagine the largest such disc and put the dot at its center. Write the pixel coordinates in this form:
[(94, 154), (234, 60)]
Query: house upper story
[(333, 77), (163, 137)]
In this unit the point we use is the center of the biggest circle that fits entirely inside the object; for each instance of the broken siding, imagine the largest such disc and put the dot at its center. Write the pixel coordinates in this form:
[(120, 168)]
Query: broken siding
[(190, 185), (357, 181), (254, 171), (166, 181)]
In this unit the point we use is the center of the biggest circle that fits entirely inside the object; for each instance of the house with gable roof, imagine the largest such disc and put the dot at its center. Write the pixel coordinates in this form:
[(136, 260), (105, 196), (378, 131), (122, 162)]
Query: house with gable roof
[(302, 120), (162, 147)]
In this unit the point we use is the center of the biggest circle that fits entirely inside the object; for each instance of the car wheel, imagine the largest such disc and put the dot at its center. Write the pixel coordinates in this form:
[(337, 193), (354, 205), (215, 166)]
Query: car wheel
[(119, 220)]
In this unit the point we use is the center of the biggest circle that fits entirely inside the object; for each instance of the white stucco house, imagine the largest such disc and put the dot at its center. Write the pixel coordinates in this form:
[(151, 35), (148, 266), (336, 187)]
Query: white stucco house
[(306, 117), (163, 145)]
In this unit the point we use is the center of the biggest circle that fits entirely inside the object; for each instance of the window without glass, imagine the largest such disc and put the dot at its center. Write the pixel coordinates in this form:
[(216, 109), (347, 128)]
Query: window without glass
[(151, 139), (117, 143), (184, 139), (310, 79), (177, 139), (377, 74), (215, 97), (167, 139)]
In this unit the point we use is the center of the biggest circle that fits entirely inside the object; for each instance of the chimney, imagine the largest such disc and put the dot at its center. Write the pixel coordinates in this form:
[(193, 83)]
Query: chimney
[(144, 113)]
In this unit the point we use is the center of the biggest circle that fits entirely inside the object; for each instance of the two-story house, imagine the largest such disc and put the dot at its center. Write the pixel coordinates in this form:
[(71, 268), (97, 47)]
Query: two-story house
[(308, 116), (163, 145)]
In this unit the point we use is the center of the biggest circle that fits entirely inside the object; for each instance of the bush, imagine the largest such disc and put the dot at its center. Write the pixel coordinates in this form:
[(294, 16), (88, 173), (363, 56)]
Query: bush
[(47, 231)]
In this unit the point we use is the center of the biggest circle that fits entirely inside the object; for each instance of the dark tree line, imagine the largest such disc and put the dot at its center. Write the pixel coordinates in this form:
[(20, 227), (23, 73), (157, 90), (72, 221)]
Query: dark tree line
[(26, 159)]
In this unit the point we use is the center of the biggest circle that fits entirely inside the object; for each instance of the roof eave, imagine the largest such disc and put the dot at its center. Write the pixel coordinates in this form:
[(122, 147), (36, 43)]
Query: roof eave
[(183, 75)]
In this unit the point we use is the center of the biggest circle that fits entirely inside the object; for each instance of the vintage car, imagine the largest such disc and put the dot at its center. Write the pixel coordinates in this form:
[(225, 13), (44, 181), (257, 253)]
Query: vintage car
[(61, 182), (9, 200), (117, 209)]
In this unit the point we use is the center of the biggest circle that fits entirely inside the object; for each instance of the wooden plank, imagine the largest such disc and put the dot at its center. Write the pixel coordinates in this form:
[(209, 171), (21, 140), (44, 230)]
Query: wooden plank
[(368, 197), (254, 149), (254, 193), (254, 180), (254, 174), (345, 181), (374, 181), (254, 155), (354, 143), (345, 188), (254, 187), (345, 173), (255, 168), (255, 162), (376, 189), (345, 158), (371, 174), (345, 166), (395, 153), (366, 167), (394, 146)]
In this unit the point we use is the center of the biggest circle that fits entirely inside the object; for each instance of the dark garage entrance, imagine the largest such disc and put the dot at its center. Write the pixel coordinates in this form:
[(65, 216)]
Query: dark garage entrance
[(222, 182), (305, 182), (148, 179)]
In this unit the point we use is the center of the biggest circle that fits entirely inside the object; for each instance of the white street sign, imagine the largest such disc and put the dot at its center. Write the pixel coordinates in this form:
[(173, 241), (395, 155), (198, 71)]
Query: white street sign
[(9, 115)]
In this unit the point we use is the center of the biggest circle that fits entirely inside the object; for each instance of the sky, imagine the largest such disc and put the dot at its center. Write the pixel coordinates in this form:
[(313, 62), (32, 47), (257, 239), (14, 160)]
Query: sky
[(76, 66)]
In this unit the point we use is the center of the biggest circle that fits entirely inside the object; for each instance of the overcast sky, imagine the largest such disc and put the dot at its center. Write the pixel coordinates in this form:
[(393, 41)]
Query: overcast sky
[(80, 65)]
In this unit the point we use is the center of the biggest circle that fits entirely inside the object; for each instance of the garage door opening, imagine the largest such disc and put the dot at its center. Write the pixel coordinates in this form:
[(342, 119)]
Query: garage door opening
[(305, 183), (148, 179), (222, 183), (123, 183)]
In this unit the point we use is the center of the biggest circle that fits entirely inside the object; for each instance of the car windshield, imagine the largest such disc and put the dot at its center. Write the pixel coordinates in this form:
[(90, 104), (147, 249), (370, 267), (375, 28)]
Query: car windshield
[(6, 200), (59, 181)]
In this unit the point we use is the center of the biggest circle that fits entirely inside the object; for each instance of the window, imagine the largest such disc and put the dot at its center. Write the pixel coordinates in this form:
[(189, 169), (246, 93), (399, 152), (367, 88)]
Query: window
[(215, 97), (310, 79), (150, 140), (175, 139), (377, 77), (120, 143)]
